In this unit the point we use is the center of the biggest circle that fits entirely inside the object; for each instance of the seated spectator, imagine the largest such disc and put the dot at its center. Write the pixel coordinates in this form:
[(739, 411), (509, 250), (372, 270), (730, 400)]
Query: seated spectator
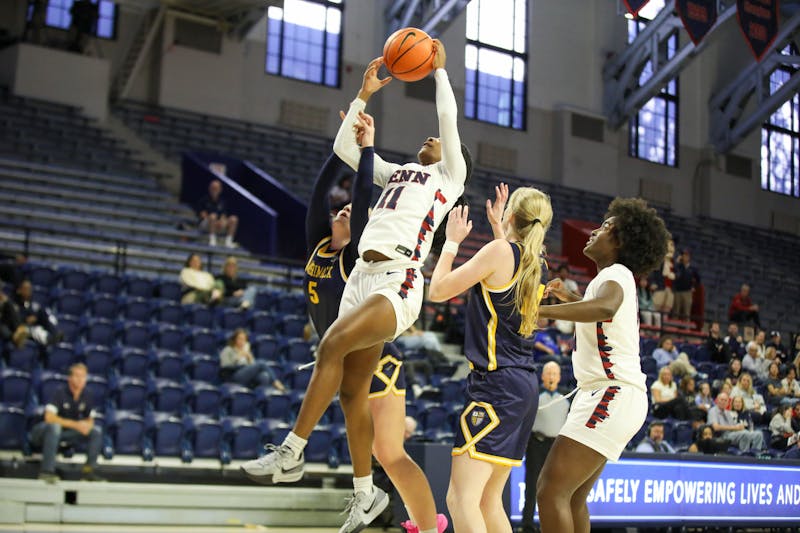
[(734, 340), (545, 347), (790, 383), (776, 391), (755, 362), (781, 428), (238, 365), (796, 417), (214, 216), (661, 282), (726, 425), (780, 350), (11, 327), (41, 323), (647, 309), (667, 355), (734, 372), (759, 341), (753, 401), (718, 349), (198, 285), (654, 442), (688, 392), (236, 292), (742, 309), (706, 442), (743, 415), (416, 339), (69, 418), (666, 399), (566, 327), (704, 400)]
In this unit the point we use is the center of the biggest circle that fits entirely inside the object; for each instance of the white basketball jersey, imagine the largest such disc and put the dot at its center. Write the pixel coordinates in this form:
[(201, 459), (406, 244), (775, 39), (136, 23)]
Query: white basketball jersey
[(415, 198), (610, 350)]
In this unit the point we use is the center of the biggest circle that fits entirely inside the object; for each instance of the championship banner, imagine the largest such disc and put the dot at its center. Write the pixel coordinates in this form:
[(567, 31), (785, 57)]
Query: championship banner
[(698, 17), (670, 492), (634, 6), (758, 20)]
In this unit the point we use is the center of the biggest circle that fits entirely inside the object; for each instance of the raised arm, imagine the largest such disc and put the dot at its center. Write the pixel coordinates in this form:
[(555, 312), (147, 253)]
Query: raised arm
[(318, 215), (362, 189), (447, 110)]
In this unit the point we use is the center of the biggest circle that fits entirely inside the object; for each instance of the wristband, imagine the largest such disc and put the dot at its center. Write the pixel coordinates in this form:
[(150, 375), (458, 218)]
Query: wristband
[(451, 247)]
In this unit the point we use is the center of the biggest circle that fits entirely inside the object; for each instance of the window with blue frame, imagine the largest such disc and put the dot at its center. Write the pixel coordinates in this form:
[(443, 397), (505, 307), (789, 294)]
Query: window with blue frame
[(304, 40), (58, 16), (780, 137), (496, 62), (653, 132)]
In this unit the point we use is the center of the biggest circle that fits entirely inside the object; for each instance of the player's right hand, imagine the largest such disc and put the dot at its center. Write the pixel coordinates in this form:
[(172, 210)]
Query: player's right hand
[(556, 288), (494, 212), (439, 55), (372, 83), (458, 224)]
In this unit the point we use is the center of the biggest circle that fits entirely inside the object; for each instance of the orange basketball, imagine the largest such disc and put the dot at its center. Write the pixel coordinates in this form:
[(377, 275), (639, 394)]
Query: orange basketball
[(408, 54)]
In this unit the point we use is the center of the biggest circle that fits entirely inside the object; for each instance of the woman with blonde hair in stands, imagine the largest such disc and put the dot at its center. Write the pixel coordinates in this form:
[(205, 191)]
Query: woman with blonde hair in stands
[(506, 280), (753, 401), (198, 285)]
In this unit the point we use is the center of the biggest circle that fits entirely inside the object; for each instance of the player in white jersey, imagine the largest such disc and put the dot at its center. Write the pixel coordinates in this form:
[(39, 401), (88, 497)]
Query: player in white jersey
[(383, 294), (611, 404)]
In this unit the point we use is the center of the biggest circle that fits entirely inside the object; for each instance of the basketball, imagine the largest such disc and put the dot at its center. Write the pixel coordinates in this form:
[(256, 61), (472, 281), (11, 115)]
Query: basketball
[(408, 54)]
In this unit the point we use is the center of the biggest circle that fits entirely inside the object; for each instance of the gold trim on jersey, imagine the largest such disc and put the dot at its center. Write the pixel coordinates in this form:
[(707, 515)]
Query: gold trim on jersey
[(389, 381), (472, 440), (510, 282), (318, 252), (491, 330)]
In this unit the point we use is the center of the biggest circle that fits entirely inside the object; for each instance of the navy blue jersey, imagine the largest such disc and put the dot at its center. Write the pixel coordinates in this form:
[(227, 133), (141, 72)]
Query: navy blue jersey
[(327, 270), (492, 339)]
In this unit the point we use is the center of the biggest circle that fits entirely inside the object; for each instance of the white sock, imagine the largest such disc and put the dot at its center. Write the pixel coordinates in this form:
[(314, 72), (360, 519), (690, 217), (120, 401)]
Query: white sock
[(295, 443), (229, 241), (212, 240), (363, 484)]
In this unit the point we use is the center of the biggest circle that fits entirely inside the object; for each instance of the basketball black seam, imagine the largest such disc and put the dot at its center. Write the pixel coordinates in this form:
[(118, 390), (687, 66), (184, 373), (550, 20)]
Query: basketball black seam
[(407, 51)]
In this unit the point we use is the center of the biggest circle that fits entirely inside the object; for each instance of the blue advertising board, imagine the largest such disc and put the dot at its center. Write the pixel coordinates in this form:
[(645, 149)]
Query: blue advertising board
[(640, 491)]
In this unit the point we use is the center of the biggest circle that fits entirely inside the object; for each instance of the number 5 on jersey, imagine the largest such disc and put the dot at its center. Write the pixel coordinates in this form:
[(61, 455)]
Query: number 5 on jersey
[(312, 292)]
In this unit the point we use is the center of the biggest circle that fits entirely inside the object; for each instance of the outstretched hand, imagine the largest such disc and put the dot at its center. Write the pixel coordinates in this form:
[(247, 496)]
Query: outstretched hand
[(372, 83), (494, 212), (557, 288), (365, 130), (439, 55), (458, 225)]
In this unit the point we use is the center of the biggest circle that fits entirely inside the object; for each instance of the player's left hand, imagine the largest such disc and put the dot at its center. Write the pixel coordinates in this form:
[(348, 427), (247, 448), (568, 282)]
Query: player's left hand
[(494, 212), (439, 55), (365, 130), (458, 225)]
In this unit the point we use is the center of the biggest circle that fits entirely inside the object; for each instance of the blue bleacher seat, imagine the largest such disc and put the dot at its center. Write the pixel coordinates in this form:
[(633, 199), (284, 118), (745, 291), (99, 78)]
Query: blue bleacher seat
[(263, 323), (204, 341), (105, 306), (16, 387), (238, 400), (138, 309), (170, 365), (132, 394), (206, 436), (266, 347), (169, 290), (60, 356), (243, 437), (274, 431), (168, 436), (12, 427), (135, 362), (139, 287), (100, 360), (169, 337), (200, 316), (702, 355), (71, 303), (101, 331), (43, 275), (292, 325), (97, 390), (171, 313), (452, 390), (298, 351), (319, 445), (649, 364), (136, 335), (71, 327), (292, 303), (265, 300), (49, 383), (682, 434), (231, 319), (168, 396), (205, 398), (273, 404), (108, 283), (299, 379), (128, 432), (75, 280), (26, 357), (204, 367), (433, 416)]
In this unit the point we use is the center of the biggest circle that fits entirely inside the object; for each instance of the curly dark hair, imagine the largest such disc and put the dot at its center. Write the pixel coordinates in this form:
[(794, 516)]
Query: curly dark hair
[(641, 234)]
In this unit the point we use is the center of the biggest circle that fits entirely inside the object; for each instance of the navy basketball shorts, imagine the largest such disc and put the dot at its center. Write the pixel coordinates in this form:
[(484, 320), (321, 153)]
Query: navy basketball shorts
[(498, 416), (389, 378)]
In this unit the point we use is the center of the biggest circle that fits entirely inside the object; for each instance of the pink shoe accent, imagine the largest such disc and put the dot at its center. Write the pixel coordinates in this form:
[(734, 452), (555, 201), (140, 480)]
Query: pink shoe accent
[(411, 527)]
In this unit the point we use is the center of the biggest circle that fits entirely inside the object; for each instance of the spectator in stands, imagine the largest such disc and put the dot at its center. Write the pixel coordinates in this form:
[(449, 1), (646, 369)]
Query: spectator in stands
[(238, 365), (776, 391), (734, 372), (11, 327), (12, 269), (706, 442), (759, 341), (565, 326), (781, 427), (665, 397), (704, 400), (41, 324), (83, 24), (755, 362), (667, 355), (545, 347), (198, 285), (753, 401), (718, 349), (416, 339), (339, 195), (790, 383), (654, 442), (545, 430), (686, 280), (69, 417), (743, 415), (742, 308), (796, 417), (214, 216), (647, 309), (780, 350), (236, 292), (734, 340), (661, 282), (725, 423), (688, 393)]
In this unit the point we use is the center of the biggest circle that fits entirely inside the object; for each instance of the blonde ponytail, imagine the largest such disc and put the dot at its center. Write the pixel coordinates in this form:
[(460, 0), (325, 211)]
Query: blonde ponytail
[(532, 217)]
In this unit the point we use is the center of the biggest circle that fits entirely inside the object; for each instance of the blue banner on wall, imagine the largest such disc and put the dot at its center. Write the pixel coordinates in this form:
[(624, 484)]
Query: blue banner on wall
[(758, 20), (698, 17), (640, 491)]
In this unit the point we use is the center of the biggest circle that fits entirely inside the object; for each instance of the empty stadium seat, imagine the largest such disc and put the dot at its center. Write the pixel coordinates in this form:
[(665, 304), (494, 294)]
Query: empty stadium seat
[(293, 325), (128, 432), (273, 404), (204, 341), (12, 427), (231, 319), (99, 360), (238, 400), (200, 316), (168, 396), (75, 280), (135, 362), (105, 306), (49, 382), (169, 290), (205, 436), (263, 323), (171, 313), (298, 351), (138, 309), (16, 387), (101, 331), (169, 337), (170, 365), (168, 436), (137, 335), (131, 394), (26, 357), (204, 367), (71, 302), (266, 347), (205, 398), (242, 436), (108, 283), (60, 356)]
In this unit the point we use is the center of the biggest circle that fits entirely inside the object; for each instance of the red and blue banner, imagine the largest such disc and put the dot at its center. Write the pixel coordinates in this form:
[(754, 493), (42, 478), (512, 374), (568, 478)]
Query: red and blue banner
[(698, 17), (758, 20)]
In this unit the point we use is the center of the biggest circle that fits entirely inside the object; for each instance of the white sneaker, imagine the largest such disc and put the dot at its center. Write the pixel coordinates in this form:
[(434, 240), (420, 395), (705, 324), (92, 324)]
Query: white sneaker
[(362, 509), (212, 240), (229, 242), (277, 466)]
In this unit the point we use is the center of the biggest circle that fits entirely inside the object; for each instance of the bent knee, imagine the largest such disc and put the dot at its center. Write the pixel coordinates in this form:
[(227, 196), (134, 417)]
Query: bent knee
[(389, 454)]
